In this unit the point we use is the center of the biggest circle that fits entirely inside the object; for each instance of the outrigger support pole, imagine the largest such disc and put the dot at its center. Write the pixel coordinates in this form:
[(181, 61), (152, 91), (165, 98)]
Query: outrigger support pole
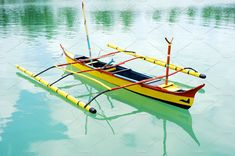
[(132, 84), (79, 61), (61, 78), (96, 97), (107, 66), (82, 71), (44, 71), (88, 59)]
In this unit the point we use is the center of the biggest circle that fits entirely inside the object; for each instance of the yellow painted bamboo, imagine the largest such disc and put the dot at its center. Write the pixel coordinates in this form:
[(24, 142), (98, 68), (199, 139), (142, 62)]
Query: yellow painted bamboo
[(159, 62), (57, 90)]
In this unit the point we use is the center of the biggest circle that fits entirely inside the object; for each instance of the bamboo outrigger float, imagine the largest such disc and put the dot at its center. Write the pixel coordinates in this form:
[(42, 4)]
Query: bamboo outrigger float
[(157, 87), (56, 89)]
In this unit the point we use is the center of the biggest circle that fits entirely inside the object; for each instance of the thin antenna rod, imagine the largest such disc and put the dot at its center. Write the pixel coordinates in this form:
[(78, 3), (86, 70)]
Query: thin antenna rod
[(87, 34)]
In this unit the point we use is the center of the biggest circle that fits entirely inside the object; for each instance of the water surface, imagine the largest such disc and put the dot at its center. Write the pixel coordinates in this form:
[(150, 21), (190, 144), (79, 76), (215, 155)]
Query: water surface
[(34, 121)]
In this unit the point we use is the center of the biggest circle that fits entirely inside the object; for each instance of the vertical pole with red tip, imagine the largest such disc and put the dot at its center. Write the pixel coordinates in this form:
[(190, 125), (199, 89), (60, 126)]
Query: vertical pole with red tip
[(168, 59)]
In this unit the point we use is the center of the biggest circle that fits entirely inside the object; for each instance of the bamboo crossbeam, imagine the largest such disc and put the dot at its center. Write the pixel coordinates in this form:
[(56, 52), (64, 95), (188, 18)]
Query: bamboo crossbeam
[(159, 62)]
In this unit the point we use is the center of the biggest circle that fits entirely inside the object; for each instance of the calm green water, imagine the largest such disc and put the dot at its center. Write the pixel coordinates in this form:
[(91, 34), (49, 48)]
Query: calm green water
[(34, 121)]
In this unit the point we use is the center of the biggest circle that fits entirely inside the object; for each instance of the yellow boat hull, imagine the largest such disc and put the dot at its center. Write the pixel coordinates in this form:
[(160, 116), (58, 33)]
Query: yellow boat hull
[(181, 100)]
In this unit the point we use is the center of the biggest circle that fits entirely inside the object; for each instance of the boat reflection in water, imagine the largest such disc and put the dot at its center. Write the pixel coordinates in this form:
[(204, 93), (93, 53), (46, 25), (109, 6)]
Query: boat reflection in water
[(160, 110)]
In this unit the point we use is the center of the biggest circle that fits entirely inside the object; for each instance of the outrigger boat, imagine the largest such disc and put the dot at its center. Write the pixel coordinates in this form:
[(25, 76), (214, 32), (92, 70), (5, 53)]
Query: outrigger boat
[(92, 68), (159, 110), (154, 87)]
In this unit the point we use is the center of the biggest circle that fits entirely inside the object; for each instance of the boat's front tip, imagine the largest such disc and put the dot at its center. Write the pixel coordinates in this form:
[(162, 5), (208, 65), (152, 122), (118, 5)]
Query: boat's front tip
[(186, 99), (200, 87), (193, 91)]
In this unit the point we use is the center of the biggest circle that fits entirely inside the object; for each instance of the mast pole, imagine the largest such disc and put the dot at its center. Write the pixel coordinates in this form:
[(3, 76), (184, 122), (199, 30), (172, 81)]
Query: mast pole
[(168, 59), (86, 29)]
